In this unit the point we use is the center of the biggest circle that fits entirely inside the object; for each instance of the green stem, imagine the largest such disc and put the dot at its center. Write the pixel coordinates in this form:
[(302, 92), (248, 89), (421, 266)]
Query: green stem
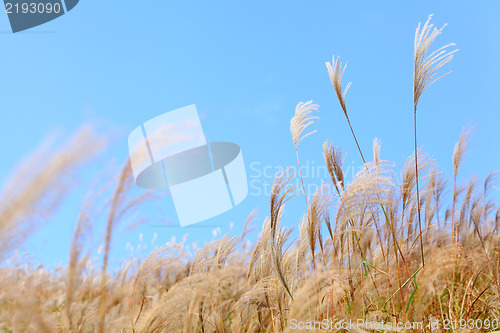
[(418, 190)]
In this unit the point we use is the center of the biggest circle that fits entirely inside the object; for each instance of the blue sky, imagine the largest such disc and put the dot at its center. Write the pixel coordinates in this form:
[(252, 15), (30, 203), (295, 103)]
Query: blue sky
[(245, 65)]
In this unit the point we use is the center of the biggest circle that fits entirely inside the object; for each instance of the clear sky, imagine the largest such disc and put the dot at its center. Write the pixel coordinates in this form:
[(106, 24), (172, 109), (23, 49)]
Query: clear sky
[(245, 65)]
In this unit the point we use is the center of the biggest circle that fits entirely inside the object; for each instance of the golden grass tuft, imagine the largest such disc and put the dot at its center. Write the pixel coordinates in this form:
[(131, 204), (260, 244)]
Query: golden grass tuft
[(357, 254)]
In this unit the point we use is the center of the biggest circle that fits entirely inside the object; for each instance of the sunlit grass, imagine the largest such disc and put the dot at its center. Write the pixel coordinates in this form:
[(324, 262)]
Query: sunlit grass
[(382, 248)]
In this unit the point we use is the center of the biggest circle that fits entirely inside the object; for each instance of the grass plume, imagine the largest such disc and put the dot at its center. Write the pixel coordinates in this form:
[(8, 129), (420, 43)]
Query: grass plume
[(358, 253)]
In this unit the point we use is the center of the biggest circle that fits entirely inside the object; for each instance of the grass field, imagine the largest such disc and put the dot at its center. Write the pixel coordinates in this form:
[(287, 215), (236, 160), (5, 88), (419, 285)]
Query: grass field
[(384, 250)]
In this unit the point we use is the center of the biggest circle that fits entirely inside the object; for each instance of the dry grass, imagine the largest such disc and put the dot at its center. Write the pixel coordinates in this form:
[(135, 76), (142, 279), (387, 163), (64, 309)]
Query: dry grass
[(358, 253)]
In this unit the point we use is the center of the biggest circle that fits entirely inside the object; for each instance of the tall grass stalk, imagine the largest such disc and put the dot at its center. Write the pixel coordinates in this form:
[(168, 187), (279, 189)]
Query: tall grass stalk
[(367, 264), (425, 69)]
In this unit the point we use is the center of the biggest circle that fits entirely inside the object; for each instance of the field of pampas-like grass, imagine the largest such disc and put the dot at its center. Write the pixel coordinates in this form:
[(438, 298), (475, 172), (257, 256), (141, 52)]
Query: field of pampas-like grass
[(383, 253)]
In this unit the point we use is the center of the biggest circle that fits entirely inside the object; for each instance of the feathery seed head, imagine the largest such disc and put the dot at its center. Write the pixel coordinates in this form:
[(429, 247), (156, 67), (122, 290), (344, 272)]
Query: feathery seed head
[(302, 120), (376, 150), (426, 67), (459, 151), (333, 160), (281, 192), (335, 73)]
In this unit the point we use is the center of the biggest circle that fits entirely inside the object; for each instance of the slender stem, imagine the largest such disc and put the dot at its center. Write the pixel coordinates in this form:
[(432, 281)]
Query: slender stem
[(381, 205), (355, 139), (418, 190), (301, 180), (305, 198), (360, 248), (454, 227)]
